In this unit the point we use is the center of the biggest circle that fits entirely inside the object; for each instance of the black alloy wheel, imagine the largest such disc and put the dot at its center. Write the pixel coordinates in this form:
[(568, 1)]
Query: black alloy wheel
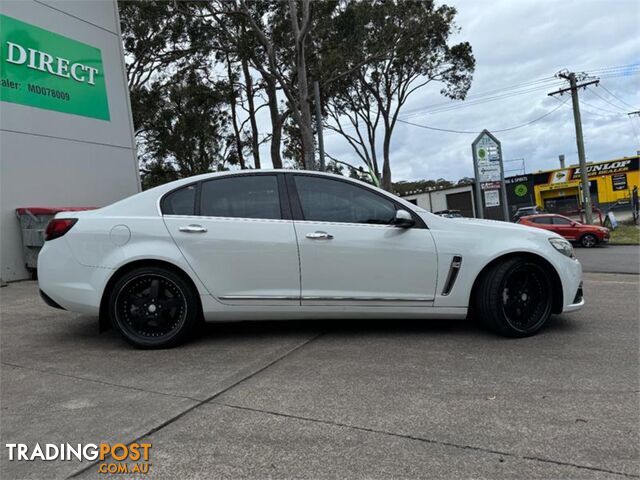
[(153, 307), (515, 297), (526, 296)]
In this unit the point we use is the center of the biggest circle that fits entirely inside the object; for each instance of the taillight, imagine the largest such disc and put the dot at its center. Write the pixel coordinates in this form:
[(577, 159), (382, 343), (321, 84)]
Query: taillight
[(58, 227)]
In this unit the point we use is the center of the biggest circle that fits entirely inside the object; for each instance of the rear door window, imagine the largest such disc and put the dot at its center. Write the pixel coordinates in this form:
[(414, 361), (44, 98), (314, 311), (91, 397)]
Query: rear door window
[(247, 196)]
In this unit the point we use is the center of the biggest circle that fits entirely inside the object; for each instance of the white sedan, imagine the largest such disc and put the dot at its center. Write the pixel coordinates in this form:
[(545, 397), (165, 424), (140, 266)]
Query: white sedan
[(288, 244)]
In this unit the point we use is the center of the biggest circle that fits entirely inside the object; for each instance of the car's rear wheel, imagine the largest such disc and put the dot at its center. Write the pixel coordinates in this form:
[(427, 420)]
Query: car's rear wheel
[(515, 297), (153, 307), (589, 240)]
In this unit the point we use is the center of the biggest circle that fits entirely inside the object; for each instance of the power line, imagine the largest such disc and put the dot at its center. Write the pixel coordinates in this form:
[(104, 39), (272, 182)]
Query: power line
[(490, 96), (494, 98), (616, 97), (428, 127), (620, 74), (593, 92), (612, 68), (475, 100)]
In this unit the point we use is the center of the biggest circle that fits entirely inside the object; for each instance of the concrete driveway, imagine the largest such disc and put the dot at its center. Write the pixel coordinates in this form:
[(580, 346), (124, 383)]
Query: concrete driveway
[(336, 399)]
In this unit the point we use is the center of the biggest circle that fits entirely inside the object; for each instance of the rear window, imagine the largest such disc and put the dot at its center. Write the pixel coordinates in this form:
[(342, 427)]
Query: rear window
[(180, 202), (544, 220)]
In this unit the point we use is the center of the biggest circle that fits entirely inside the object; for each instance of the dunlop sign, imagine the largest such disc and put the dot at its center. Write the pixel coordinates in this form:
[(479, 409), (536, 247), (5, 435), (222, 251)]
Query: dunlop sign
[(42, 69)]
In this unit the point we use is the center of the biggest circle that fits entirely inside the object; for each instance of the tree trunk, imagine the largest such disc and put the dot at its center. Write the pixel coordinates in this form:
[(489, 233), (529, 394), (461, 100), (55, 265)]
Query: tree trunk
[(306, 126), (304, 107), (255, 143), (386, 166), (234, 117), (277, 121)]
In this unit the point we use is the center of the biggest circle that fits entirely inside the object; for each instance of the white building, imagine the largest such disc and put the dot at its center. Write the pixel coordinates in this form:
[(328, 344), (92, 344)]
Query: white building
[(452, 198), (66, 133)]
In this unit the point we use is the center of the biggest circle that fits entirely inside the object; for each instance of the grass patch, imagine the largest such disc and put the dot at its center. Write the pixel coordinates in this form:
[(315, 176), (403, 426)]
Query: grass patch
[(625, 234)]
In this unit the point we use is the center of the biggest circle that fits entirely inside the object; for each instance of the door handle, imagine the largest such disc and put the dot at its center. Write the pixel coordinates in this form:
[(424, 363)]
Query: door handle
[(193, 229), (319, 236)]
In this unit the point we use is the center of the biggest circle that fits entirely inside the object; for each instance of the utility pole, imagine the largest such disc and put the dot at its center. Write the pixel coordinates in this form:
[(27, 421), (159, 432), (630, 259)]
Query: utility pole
[(316, 91), (584, 177), (637, 114)]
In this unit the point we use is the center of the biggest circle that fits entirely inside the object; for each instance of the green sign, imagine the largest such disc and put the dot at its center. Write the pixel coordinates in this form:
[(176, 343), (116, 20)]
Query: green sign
[(42, 69), (521, 190)]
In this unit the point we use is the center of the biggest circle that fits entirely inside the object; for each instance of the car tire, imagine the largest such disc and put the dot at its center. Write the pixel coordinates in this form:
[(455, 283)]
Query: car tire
[(153, 307), (514, 297), (588, 240)]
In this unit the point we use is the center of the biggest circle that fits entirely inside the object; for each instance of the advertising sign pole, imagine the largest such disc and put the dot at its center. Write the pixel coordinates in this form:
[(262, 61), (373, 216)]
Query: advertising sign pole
[(503, 187), (489, 172), (479, 202)]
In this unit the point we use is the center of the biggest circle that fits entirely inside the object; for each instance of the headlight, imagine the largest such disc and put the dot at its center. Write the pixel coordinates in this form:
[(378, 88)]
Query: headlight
[(561, 245)]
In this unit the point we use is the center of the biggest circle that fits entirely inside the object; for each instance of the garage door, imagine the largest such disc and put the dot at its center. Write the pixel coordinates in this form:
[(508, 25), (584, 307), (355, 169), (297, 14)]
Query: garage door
[(460, 201)]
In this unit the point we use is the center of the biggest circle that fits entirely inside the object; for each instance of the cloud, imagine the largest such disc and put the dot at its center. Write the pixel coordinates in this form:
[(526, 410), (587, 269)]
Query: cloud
[(515, 42)]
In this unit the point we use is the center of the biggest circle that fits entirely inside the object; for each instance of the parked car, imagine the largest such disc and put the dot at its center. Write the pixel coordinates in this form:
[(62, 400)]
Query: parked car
[(449, 213), (526, 211), (586, 235), (288, 244)]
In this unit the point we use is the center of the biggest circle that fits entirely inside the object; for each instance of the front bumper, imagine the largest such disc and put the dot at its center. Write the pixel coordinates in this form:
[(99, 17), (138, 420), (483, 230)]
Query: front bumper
[(570, 272), (578, 301)]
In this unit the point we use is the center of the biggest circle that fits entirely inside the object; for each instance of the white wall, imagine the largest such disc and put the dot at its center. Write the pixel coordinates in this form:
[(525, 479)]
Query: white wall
[(436, 200), (421, 199), (49, 158)]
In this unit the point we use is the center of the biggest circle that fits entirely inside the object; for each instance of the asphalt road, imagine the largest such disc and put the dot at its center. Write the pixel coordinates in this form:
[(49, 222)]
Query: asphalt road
[(340, 399), (610, 259)]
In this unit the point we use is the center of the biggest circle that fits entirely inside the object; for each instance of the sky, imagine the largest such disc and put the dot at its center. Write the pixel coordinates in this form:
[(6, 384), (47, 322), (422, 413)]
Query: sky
[(518, 41)]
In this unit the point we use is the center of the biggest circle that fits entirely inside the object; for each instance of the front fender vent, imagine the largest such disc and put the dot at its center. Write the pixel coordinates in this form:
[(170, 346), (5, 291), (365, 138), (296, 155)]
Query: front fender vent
[(456, 263)]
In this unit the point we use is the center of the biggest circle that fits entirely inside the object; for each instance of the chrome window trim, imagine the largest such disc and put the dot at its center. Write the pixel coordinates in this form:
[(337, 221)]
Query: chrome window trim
[(244, 219)]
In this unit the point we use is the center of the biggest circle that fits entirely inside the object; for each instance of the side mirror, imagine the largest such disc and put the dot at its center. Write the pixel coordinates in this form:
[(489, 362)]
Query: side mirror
[(403, 219)]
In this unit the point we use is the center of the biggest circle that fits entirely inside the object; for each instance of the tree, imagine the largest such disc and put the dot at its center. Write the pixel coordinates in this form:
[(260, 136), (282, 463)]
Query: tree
[(160, 38), (398, 48), (283, 31), (189, 133)]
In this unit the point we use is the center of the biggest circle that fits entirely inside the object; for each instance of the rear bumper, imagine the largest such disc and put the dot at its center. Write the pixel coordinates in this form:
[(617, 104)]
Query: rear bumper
[(50, 301), (67, 284)]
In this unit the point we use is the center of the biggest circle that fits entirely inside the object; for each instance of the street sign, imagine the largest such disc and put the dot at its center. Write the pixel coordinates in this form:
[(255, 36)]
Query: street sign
[(489, 173), (490, 185), (492, 198)]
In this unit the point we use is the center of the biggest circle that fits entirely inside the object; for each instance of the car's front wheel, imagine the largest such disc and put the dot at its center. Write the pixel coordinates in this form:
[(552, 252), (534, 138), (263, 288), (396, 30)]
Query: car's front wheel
[(589, 240), (515, 297), (153, 307)]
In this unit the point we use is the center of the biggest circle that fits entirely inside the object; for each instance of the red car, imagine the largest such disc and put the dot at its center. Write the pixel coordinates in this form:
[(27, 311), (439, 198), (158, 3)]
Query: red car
[(586, 235)]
